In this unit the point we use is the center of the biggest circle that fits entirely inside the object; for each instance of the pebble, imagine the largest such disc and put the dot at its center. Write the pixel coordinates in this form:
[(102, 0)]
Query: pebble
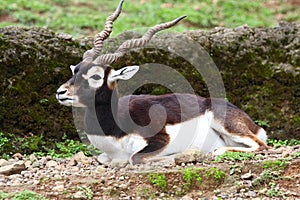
[(3, 162), (247, 176), (80, 158), (58, 188), (36, 165), (32, 158), (100, 169), (27, 164), (79, 195), (17, 156), (51, 163), (186, 197), (251, 194)]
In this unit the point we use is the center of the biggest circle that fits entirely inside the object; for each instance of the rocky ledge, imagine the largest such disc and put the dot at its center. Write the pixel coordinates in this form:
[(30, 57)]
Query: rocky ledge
[(263, 62)]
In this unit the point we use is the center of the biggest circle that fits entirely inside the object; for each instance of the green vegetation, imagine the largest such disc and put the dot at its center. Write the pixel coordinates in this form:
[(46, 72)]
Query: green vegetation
[(272, 172), (191, 176), (235, 168), (145, 193), (87, 193), (235, 156), (297, 154), (262, 123), (275, 165), (158, 179), (216, 173), (10, 144), (282, 143), (274, 191), (84, 17), (23, 195)]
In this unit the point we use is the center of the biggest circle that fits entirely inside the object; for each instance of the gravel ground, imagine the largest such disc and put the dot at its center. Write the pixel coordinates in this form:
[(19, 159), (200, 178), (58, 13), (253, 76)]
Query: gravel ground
[(82, 177)]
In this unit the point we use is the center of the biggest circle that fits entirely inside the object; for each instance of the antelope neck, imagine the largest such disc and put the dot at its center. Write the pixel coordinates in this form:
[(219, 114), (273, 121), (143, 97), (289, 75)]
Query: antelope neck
[(102, 118)]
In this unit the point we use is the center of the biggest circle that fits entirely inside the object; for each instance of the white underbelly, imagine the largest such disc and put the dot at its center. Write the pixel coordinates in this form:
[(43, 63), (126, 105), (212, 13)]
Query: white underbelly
[(193, 134)]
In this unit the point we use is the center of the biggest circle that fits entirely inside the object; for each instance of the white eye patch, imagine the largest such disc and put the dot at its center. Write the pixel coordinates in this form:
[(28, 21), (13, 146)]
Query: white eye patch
[(95, 77)]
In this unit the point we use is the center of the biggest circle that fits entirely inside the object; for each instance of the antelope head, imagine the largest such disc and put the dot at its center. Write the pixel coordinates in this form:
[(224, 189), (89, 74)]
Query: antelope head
[(94, 74)]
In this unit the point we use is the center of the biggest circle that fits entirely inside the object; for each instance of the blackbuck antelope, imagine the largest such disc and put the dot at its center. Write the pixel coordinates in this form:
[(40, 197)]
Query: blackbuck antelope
[(138, 128)]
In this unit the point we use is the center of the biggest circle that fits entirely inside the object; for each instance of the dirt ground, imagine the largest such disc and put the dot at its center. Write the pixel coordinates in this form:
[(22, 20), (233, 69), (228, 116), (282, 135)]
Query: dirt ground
[(267, 175)]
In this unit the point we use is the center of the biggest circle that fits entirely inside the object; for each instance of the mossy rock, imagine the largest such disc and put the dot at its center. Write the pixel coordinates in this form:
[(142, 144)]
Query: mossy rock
[(34, 62), (259, 66)]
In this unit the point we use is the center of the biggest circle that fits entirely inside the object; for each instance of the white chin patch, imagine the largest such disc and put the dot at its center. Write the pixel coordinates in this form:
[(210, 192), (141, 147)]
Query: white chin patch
[(69, 101)]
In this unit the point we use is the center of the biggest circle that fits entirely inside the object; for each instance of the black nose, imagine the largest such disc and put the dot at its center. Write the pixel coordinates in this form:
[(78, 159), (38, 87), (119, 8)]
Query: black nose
[(62, 92)]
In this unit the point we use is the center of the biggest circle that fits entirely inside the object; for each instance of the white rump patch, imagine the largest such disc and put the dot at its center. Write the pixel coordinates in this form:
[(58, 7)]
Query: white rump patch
[(261, 134)]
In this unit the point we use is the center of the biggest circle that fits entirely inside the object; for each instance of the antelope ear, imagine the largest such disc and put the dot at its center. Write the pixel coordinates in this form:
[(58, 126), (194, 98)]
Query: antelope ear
[(124, 73)]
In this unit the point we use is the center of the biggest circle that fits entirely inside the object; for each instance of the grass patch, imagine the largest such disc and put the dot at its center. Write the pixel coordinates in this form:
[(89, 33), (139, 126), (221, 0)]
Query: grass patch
[(23, 195), (37, 144), (275, 165), (275, 191), (216, 173), (234, 156), (282, 143), (191, 176), (272, 172), (158, 180), (82, 18)]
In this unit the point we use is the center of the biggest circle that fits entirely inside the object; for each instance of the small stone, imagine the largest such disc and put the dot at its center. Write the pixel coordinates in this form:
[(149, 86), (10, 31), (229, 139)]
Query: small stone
[(48, 157), (57, 176), (79, 195), (59, 188), (80, 158), (32, 158), (123, 186), (51, 163), (251, 194), (117, 163), (27, 163), (17, 156), (3, 162), (15, 176), (43, 160), (121, 178), (247, 176), (186, 197), (100, 169), (287, 152), (26, 174), (72, 162), (36, 164), (263, 191), (191, 155), (14, 168)]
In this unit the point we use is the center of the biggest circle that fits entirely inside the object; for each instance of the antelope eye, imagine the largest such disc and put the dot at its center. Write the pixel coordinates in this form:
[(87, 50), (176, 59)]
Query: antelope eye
[(96, 77)]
